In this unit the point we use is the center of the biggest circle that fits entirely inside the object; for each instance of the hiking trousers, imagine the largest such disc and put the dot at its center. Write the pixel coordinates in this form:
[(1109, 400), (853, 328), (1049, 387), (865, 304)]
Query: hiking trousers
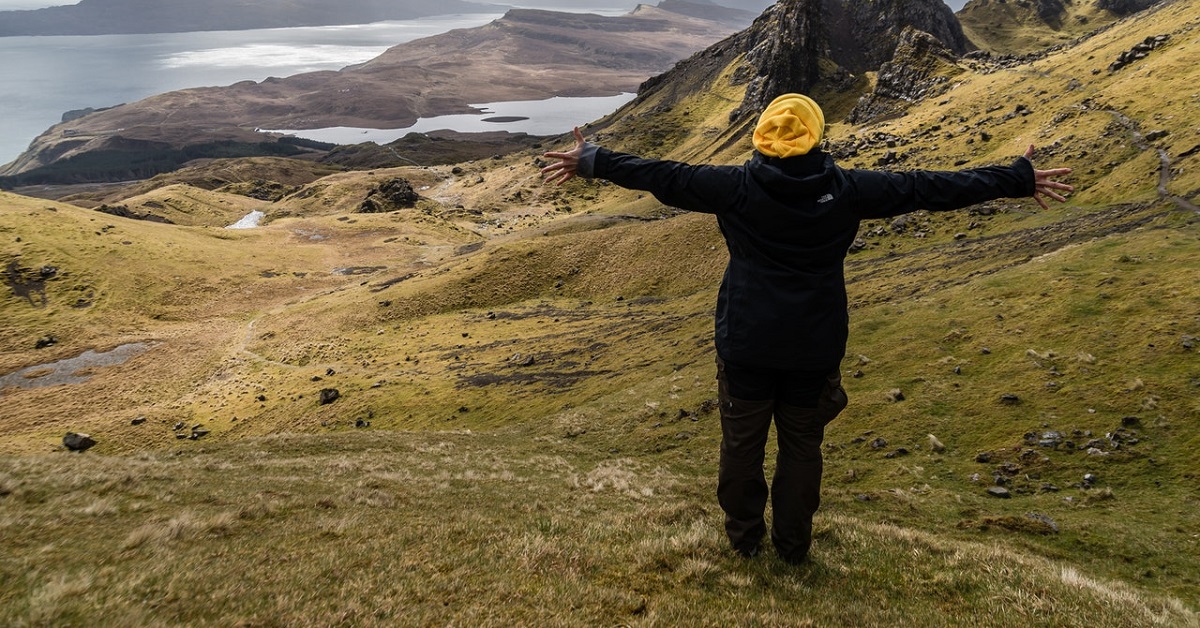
[(801, 403)]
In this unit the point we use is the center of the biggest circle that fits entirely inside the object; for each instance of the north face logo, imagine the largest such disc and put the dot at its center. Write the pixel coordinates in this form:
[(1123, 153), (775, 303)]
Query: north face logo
[(825, 199)]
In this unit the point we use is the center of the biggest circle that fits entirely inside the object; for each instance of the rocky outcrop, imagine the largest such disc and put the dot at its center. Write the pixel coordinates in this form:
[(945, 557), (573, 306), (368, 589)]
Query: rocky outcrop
[(388, 196), (864, 35), (787, 47), (783, 50), (922, 67)]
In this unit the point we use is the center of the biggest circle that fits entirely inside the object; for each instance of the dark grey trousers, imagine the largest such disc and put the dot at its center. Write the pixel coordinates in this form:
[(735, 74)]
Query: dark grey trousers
[(796, 488)]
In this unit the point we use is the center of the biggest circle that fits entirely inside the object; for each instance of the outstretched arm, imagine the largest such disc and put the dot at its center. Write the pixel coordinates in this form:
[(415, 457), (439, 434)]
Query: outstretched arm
[(1044, 183), (697, 188), (882, 194)]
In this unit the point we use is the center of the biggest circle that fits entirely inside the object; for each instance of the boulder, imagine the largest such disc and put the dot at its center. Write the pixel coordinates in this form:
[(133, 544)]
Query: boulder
[(78, 442), (328, 396)]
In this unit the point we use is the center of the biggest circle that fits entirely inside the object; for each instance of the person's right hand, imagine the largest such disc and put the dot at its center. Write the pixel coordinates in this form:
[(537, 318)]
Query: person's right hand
[(568, 164), (1044, 183)]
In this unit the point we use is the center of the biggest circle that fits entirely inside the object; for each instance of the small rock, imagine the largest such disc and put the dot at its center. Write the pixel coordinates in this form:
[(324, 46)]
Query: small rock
[(45, 341), (1010, 399), (138, 421), (522, 360), (895, 395), (1043, 519), (999, 491), (179, 426), (361, 423), (261, 397), (329, 395), (984, 457), (330, 372), (985, 351), (879, 443), (197, 434), (1090, 479), (78, 442), (1130, 421)]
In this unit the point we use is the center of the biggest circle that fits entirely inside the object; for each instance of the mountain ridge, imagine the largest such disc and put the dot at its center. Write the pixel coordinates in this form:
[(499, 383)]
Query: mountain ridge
[(121, 17)]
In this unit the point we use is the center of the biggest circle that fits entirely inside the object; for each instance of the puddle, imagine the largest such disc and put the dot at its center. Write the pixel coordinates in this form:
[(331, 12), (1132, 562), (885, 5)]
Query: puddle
[(71, 370), (249, 221)]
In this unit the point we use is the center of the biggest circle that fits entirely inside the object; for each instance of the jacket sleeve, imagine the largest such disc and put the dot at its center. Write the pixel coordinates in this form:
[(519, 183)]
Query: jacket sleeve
[(707, 189), (880, 194)]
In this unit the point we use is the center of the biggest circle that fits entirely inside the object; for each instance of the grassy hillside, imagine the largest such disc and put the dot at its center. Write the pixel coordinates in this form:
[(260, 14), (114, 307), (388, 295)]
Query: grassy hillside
[(525, 431)]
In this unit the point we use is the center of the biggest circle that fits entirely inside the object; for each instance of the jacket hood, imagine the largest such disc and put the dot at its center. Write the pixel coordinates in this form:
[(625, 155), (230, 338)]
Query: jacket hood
[(788, 179)]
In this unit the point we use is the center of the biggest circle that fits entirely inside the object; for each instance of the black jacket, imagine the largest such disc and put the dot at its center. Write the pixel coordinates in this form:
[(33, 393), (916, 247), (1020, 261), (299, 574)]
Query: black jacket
[(788, 224)]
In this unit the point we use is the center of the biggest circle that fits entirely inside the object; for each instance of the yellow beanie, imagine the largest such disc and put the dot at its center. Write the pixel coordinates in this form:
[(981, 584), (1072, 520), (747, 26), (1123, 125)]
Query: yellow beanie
[(792, 125)]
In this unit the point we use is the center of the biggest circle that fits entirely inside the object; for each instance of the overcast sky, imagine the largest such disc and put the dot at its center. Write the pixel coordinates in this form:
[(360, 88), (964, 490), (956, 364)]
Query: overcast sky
[(36, 4)]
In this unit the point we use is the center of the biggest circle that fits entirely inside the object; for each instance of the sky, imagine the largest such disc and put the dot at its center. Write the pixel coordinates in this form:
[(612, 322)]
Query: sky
[(7, 5)]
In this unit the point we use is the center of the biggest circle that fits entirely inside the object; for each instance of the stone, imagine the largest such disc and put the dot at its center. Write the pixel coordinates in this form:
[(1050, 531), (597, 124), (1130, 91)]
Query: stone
[(328, 396), (999, 491), (1043, 519), (1130, 421), (984, 457), (1090, 479), (1051, 439), (895, 395), (45, 341), (522, 360), (78, 442), (179, 426), (138, 421), (362, 423), (1010, 399), (879, 443)]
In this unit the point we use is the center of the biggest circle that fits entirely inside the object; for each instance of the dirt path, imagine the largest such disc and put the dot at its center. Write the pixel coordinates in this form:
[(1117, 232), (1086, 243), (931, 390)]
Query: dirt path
[(1164, 173)]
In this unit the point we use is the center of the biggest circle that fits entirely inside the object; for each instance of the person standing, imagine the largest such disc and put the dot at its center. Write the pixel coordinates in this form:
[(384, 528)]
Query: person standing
[(788, 216)]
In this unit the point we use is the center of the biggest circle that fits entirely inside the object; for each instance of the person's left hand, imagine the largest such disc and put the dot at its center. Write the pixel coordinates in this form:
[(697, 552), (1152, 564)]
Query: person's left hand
[(568, 164), (1044, 183)]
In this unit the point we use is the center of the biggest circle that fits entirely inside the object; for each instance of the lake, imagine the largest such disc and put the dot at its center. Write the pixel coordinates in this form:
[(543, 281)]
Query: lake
[(43, 77), (535, 117)]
